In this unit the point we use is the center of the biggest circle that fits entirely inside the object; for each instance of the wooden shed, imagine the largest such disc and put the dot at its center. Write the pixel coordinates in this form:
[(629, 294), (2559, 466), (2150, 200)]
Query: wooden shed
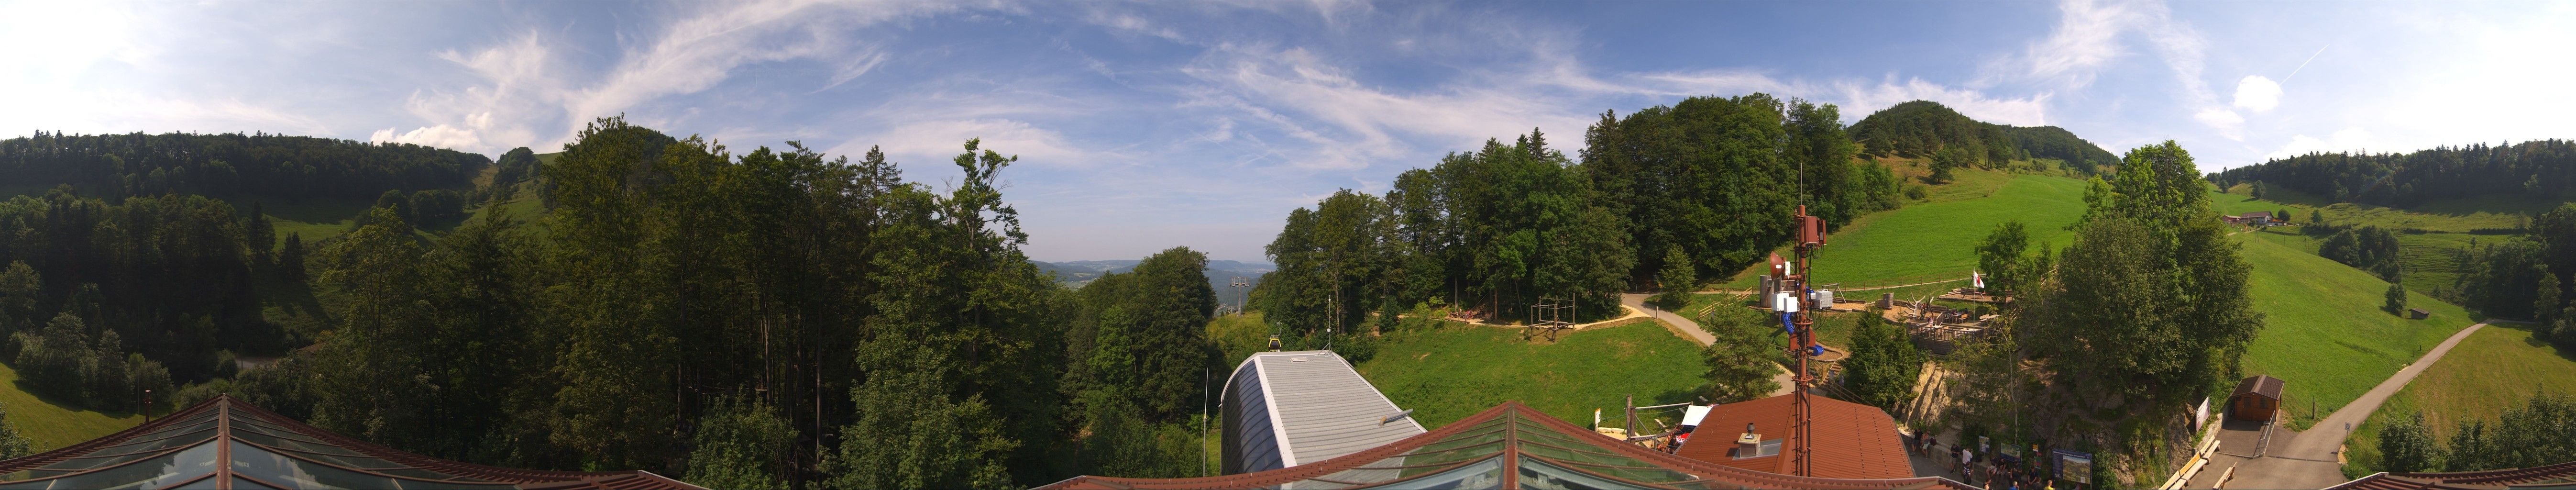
[(2417, 313), (2256, 399)]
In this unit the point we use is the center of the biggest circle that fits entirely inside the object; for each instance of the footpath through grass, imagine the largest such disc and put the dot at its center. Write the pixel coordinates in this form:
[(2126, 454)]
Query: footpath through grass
[(2492, 370), (2323, 330), (54, 426), (1449, 372), (1925, 240)]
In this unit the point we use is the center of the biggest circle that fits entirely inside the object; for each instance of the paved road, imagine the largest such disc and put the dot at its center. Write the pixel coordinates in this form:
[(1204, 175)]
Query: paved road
[(2307, 459), (1688, 329)]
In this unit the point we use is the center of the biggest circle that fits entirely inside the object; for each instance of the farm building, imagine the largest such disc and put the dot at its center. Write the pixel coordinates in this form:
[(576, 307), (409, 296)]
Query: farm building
[(1284, 409), (225, 443), (1851, 440), (2257, 218), (2417, 313), (1513, 446), (2255, 398)]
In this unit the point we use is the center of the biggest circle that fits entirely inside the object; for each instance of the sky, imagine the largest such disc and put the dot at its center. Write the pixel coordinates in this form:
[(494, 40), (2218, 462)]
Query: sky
[(1144, 126)]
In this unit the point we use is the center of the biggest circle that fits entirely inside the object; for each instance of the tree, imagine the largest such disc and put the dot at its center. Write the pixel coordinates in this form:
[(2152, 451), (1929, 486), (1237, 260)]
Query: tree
[(2396, 299), (258, 235), (2405, 446), (2003, 256), (2150, 300), (12, 444), (1678, 278), (1945, 160), (1742, 360), (1147, 331), (740, 443), (908, 434), (290, 258), (1884, 363)]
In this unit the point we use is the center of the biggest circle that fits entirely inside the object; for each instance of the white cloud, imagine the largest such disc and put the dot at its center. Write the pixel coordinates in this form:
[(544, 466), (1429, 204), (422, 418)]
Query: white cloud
[(441, 136), (2349, 139), (2086, 39), (2227, 122), (929, 144), (2027, 111), (1354, 124), (2258, 94)]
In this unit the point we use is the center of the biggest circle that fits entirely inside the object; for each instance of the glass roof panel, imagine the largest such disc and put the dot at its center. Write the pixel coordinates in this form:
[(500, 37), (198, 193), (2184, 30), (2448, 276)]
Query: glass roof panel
[(157, 472), (206, 484), (1540, 475), (266, 427), (1485, 474), (362, 462), (240, 483), (264, 465), (154, 445), (270, 466)]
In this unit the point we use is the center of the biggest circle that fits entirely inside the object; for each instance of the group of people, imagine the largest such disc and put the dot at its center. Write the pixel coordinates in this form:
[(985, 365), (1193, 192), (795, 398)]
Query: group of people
[(1992, 471)]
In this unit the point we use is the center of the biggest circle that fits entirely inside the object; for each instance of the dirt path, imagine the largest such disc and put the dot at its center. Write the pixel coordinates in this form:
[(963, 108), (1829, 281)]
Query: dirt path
[(1691, 330), (2307, 459)]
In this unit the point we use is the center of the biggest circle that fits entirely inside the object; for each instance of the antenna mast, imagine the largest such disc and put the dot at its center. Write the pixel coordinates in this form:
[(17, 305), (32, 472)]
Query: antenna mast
[(1795, 288)]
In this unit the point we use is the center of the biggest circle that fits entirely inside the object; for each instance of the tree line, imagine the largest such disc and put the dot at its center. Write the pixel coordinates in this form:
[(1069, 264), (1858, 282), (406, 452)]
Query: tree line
[(169, 277), (2537, 432), (1924, 129), (115, 166), (1667, 194), (758, 320), (2541, 168)]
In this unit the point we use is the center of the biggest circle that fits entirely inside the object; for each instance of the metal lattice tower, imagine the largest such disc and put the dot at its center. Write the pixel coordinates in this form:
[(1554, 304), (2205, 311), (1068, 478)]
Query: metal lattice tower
[(1793, 282), (1241, 300)]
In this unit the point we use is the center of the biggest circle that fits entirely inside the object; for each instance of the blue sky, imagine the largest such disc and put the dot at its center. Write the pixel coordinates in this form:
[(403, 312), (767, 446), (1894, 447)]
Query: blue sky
[(1143, 126)]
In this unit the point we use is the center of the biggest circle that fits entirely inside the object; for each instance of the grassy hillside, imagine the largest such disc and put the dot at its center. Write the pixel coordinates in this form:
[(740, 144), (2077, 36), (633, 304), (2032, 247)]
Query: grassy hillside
[(2430, 238), (1938, 238), (2323, 331), (54, 426), (2488, 372), (1450, 372)]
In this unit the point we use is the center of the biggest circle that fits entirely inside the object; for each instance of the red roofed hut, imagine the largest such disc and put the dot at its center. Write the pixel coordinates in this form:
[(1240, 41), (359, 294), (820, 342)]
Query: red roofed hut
[(2255, 399)]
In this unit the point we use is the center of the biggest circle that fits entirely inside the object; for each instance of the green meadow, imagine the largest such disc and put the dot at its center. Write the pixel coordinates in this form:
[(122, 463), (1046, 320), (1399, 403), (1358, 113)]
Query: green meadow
[(2492, 370), (1450, 371), (51, 425), (1936, 240), (2323, 329)]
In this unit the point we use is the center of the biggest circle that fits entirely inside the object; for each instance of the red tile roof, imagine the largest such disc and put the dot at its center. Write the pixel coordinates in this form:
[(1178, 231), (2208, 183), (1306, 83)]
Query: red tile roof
[(1851, 440), (1513, 435)]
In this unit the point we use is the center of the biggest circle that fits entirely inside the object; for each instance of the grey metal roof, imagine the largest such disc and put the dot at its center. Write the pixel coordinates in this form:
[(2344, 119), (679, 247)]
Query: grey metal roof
[(1322, 408)]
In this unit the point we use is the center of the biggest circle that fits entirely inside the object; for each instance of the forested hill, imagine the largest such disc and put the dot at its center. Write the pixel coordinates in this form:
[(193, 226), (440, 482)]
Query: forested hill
[(232, 164), (2545, 168), (1920, 128)]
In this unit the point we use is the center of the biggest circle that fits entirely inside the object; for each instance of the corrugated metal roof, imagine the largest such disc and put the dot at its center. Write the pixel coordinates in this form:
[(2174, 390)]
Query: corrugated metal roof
[(1851, 440), (1325, 409)]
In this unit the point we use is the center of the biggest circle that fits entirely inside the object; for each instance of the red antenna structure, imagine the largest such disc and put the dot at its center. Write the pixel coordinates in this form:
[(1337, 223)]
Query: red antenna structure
[(1792, 275)]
